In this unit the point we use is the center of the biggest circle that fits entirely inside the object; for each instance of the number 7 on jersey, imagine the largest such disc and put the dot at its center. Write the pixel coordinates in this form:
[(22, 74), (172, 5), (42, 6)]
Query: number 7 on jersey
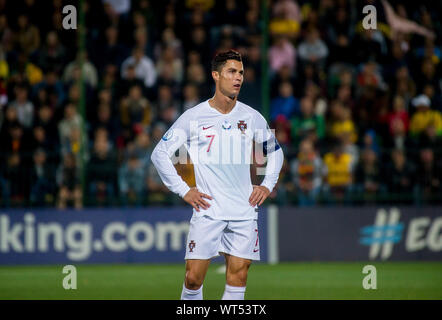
[(211, 136)]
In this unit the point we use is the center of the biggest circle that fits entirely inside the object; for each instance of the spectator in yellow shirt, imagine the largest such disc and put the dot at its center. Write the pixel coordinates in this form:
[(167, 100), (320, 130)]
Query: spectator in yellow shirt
[(341, 123), (339, 173), (424, 117)]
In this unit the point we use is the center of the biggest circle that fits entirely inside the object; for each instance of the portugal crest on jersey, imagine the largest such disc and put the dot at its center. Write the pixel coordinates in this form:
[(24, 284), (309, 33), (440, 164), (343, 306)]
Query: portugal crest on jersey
[(242, 126)]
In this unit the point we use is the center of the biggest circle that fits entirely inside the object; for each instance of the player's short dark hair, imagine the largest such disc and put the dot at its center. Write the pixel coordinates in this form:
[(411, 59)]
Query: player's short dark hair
[(221, 58)]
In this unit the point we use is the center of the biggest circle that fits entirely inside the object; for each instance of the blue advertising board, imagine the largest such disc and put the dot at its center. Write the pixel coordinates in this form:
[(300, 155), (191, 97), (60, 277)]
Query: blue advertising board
[(109, 235), (360, 234)]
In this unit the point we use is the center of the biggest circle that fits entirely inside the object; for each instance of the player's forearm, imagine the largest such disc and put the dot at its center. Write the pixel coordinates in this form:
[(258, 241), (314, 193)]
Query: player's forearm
[(167, 171), (274, 164)]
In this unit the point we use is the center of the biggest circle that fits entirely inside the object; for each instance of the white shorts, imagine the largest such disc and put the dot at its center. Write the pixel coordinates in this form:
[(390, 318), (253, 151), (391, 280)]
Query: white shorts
[(209, 237)]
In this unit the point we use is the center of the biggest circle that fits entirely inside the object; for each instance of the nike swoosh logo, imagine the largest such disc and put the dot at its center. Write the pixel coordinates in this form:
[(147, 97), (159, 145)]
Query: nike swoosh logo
[(205, 128), (255, 250)]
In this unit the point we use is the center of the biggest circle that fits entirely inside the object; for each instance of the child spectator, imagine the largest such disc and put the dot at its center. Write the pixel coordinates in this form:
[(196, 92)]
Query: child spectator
[(307, 171)]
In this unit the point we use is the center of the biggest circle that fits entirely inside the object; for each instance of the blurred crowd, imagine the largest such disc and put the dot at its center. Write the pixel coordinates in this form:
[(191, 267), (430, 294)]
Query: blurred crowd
[(357, 112)]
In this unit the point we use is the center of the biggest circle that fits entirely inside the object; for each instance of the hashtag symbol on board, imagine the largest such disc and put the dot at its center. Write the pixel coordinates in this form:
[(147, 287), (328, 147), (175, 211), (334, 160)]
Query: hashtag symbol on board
[(381, 236)]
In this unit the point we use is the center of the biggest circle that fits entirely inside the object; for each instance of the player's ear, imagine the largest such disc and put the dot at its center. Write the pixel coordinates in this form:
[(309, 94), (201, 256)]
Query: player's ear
[(215, 75)]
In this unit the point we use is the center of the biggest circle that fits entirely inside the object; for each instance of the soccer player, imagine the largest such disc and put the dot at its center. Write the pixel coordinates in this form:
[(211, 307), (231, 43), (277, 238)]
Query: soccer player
[(219, 134)]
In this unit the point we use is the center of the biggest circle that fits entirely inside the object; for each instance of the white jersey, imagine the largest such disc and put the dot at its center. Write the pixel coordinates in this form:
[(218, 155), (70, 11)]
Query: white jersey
[(220, 147)]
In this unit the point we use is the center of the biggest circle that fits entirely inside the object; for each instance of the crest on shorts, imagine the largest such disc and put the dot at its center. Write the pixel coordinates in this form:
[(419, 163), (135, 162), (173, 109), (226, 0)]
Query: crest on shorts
[(242, 125), (191, 245)]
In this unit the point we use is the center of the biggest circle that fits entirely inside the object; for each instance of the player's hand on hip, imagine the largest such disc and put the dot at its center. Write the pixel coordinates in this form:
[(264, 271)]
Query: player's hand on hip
[(196, 199), (259, 194)]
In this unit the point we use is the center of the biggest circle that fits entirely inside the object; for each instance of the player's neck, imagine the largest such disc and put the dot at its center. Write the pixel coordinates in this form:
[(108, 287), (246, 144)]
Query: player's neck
[(222, 103)]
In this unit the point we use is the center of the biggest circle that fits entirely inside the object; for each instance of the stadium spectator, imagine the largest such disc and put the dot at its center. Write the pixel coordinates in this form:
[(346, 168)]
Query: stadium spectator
[(165, 100), (349, 147), (253, 26), (28, 35), (404, 85), (118, 8), (368, 176), (198, 41), (313, 49), (339, 179), (284, 74), (81, 65), (341, 122), (131, 181), (7, 35), (16, 140), (398, 138), (42, 140), (190, 96), (428, 75), (42, 177), (287, 18), (282, 53), (400, 175), (370, 76), (368, 44), (142, 148), (111, 51), (282, 133), (101, 177), (24, 107), (50, 91), (144, 67), (168, 59), (424, 116), (45, 120), (195, 74), (312, 91), (128, 82), (429, 176), (157, 191), (169, 39), (71, 121), (307, 124), (370, 141), (16, 178), (53, 54), (307, 171), (69, 183), (135, 109), (399, 113), (104, 119), (285, 104)]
